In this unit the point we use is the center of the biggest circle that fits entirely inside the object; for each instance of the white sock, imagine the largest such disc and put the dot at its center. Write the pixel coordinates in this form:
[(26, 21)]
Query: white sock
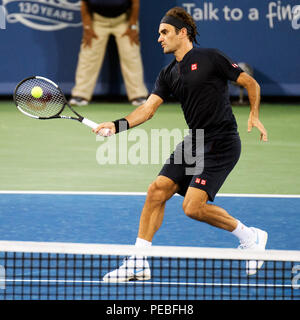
[(242, 232), (141, 243)]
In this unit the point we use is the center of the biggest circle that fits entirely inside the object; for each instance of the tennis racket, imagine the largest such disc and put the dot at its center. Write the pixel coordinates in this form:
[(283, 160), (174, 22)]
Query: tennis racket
[(40, 98)]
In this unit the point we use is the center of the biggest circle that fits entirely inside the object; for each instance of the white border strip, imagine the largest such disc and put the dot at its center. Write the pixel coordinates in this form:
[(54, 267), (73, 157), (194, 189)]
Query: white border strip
[(154, 251), (143, 283), (100, 193), (242, 195)]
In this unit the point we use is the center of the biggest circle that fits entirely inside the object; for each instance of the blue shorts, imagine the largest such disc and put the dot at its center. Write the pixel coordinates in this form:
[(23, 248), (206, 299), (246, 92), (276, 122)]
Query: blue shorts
[(219, 158)]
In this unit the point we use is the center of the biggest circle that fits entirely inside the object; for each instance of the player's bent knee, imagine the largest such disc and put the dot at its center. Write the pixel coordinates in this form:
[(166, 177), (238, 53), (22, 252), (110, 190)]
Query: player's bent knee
[(160, 191), (194, 210), (155, 193)]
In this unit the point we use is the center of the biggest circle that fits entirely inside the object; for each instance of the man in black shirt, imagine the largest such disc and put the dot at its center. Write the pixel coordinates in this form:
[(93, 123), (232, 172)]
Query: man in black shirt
[(100, 20), (198, 79)]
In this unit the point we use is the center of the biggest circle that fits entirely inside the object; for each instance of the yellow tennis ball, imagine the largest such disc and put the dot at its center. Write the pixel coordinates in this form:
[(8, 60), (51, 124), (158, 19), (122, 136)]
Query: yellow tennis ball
[(37, 92)]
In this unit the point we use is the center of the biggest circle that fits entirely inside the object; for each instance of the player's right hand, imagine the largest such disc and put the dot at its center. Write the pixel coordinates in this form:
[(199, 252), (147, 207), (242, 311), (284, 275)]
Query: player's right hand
[(105, 129), (88, 35)]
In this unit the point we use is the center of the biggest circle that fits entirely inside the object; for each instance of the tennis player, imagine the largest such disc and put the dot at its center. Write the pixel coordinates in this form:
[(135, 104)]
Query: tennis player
[(198, 78)]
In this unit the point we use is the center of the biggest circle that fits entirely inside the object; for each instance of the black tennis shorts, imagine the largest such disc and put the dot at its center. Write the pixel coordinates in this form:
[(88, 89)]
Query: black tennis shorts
[(217, 159)]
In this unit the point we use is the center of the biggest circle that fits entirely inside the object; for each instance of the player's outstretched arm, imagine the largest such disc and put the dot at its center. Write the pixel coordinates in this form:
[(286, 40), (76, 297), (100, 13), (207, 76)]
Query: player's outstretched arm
[(140, 115), (253, 89)]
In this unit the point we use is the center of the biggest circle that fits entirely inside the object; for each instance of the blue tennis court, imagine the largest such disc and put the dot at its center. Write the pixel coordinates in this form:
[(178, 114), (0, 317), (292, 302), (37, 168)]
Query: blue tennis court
[(114, 219)]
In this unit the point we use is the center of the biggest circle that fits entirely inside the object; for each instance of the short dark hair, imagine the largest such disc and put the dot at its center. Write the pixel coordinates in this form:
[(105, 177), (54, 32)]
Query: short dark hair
[(184, 16)]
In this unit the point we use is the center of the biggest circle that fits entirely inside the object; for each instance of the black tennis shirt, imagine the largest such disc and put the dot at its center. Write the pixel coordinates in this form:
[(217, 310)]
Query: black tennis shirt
[(200, 83), (109, 8)]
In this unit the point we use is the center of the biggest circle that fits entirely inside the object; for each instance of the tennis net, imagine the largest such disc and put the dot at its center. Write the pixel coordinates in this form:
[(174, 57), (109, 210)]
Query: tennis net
[(69, 271)]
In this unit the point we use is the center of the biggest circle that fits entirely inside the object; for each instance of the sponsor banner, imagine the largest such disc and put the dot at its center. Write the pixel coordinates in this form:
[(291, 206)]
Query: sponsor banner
[(45, 15), (43, 37)]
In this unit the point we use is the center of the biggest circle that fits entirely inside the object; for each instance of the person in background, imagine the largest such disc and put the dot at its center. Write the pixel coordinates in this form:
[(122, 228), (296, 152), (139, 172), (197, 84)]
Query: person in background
[(100, 19)]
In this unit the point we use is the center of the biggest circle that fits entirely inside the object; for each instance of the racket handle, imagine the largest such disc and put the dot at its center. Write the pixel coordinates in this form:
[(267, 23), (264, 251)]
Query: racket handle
[(89, 123)]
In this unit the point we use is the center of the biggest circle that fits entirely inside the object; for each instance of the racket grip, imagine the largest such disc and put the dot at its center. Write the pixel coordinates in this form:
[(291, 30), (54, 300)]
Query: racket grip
[(89, 123)]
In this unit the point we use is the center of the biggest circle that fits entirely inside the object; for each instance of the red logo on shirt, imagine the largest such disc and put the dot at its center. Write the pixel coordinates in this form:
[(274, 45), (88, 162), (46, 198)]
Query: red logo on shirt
[(194, 67), (201, 181), (235, 65)]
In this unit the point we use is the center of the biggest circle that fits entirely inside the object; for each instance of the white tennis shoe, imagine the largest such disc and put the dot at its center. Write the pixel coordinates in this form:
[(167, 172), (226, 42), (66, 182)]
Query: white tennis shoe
[(258, 244), (77, 102), (131, 269)]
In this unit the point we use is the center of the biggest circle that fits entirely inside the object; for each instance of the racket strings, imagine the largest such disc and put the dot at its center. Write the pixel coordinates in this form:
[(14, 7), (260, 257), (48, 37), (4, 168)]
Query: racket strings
[(48, 103)]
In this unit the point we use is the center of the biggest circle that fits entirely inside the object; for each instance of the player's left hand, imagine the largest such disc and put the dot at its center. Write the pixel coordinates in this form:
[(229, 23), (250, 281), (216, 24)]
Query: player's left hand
[(255, 122), (133, 36)]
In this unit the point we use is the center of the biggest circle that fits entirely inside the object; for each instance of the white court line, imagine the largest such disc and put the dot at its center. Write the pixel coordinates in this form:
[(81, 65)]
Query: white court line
[(242, 195), (206, 284)]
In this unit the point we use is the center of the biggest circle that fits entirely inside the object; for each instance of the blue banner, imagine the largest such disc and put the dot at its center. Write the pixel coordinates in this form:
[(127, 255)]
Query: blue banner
[(264, 34), (42, 37)]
